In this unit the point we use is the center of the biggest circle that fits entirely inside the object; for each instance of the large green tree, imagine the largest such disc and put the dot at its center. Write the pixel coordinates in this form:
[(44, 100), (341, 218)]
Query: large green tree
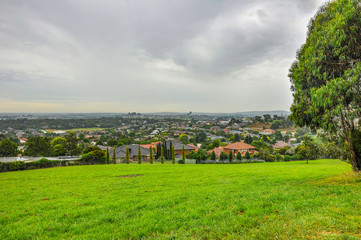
[(71, 145), (8, 148), (38, 146), (326, 76)]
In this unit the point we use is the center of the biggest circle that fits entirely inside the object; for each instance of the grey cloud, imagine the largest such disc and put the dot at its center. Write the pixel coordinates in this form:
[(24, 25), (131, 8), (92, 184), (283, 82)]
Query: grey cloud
[(129, 52)]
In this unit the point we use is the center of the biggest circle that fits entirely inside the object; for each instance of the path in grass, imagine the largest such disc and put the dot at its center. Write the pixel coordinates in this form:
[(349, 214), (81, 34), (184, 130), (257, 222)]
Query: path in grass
[(260, 201)]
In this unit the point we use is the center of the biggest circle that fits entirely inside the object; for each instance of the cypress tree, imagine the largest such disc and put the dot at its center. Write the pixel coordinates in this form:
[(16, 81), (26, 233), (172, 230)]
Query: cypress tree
[(150, 155), (239, 156), (139, 155), (170, 150), (157, 154), (213, 156), (230, 156), (183, 154), (127, 156), (162, 155), (165, 150), (114, 156), (222, 156), (247, 156), (173, 155), (107, 155)]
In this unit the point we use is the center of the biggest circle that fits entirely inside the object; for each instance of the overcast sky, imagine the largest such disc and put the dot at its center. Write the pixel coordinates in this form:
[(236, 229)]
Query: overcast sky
[(149, 56)]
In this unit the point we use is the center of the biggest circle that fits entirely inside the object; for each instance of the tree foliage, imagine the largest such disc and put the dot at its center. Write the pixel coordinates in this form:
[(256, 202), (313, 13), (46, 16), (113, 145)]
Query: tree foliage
[(139, 155), (150, 155), (326, 75), (127, 156), (38, 146), (8, 148)]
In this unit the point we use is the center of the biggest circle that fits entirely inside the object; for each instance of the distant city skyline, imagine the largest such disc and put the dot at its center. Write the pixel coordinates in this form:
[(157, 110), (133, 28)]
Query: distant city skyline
[(149, 56)]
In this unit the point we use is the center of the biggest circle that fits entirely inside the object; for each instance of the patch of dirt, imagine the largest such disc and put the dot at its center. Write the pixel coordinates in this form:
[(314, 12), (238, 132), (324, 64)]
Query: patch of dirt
[(129, 176)]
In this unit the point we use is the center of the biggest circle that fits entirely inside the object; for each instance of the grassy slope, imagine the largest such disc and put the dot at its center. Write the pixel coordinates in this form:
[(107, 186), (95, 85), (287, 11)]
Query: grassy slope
[(262, 201)]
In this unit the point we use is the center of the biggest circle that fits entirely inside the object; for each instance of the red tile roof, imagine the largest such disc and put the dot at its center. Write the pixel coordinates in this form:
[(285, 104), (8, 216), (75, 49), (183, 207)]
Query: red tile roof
[(239, 146), (217, 151)]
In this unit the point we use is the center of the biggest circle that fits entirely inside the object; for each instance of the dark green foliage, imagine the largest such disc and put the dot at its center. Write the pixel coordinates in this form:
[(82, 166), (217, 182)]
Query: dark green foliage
[(114, 156), (42, 163), (222, 156), (326, 75), (38, 146), (230, 156), (247, 155), (99, 142), (71, 145), (94, 157), (173, 155), (158, 151), (237, 138), (91, 148), (213, 156), (239, 155), (198, 156), (183, 154), (8, 148), (139, 155), (248, 139), (150, 155), (287, 158), (162, 155), (112, 142), (58, 150), (127, 156), (107, 155), (201, 137), (278, 157), (2, 136)]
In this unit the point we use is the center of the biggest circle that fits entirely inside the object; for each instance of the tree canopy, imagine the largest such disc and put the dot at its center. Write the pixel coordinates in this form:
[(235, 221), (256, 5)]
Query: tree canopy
[(326, 76)]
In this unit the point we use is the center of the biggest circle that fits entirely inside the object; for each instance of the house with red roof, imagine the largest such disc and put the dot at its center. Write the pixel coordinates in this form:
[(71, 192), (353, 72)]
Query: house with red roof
[(241, 147)]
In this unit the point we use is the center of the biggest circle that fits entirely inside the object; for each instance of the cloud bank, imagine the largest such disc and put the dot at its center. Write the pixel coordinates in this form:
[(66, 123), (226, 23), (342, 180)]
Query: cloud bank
[(146, 56)]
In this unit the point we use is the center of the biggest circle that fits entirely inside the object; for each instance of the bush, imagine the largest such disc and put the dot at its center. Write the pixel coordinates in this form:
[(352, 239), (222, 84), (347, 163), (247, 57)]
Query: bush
[(271, 158), (278, 157), (90, 149), (94, 157), (181, 161), (42, 163), (287, 158)]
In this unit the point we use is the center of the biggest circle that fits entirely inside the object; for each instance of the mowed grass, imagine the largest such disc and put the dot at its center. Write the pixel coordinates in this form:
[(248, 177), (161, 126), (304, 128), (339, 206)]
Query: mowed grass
[(321, 200), (79, 129)]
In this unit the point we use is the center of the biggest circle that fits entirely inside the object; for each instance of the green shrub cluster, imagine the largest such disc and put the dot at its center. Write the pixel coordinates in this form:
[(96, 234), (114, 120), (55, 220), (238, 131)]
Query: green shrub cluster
[(42, 163)]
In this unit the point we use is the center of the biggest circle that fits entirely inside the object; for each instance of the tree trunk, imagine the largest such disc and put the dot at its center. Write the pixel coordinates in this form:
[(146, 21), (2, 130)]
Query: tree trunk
[(355, 149)]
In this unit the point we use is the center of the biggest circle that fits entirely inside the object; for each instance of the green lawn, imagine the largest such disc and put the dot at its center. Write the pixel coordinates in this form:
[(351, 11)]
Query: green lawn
[(83, 129), (241, 201)]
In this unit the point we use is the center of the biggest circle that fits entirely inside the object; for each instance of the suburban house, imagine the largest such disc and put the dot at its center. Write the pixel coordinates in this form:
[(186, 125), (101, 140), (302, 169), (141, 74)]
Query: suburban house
[(278, 145), (177, 147), (267, 132), (133, 152), (241, 147)]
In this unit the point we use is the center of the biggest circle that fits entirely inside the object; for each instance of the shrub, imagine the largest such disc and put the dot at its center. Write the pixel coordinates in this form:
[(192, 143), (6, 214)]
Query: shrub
[(278, 157), (94, 157), (271, 158), (90, 149), (287, 158)]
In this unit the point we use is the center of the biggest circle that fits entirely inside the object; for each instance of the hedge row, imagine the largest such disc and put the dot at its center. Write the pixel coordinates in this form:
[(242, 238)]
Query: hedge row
[(233, 162), (42, 163)]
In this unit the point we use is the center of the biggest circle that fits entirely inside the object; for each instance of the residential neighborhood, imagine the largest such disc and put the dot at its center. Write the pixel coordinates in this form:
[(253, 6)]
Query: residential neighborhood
[(195, 136)]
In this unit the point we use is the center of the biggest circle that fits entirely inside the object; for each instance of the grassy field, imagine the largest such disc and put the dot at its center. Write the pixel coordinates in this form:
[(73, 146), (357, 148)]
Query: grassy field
[(79, 129), (320, 200)]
